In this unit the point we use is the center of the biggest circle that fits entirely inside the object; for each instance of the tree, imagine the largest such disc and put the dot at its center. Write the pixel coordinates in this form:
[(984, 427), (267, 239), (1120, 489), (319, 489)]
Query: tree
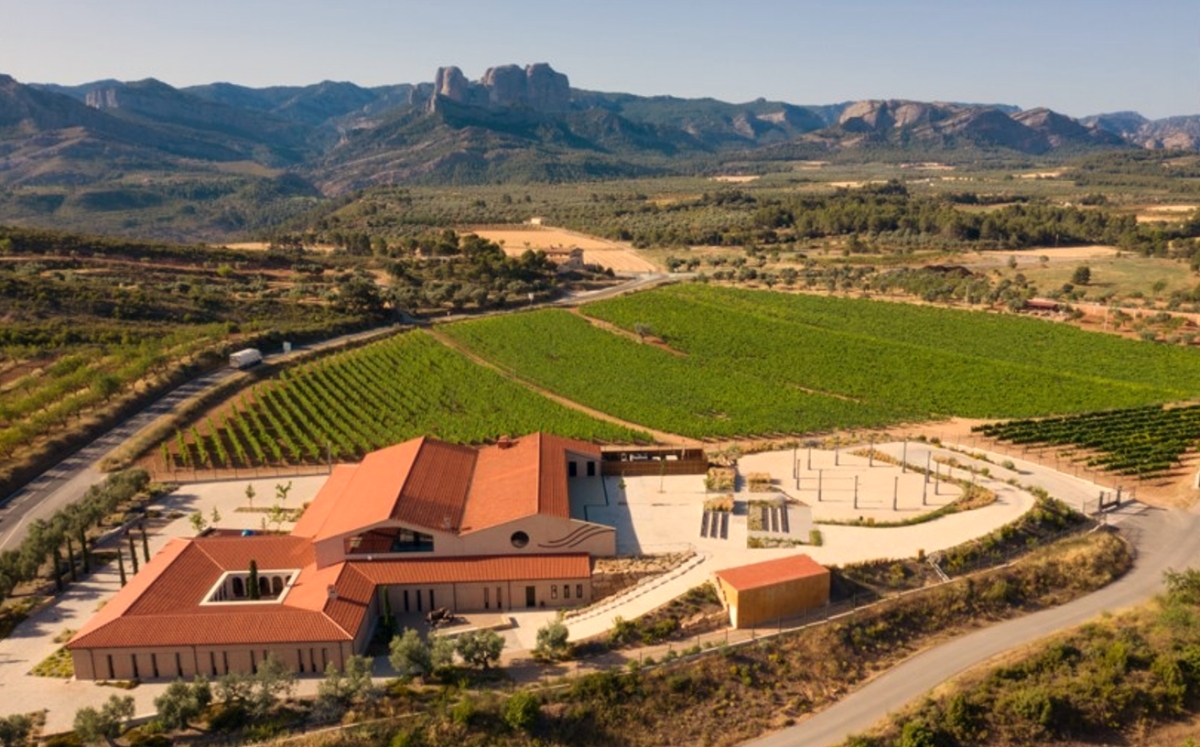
[(281, 491), (409, 655), (183, 702), (274, 682), (215, 516), (276, 516), (197, 522), (341, 690), (250, 496), (1082, 275), (253, 591), (15, 730), (480, 648), (93, 725), (552, 640), (641, 329), (106, 385)]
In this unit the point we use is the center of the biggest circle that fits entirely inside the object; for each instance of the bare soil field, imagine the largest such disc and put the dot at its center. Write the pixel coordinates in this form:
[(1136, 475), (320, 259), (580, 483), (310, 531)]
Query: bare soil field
[(1164, 213), (262, 246), (733, 178), (1040, 175), (609, 254), (1034, 256)]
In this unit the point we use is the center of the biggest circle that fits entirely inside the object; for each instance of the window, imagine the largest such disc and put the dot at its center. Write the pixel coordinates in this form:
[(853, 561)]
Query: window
[(591, 469), (499, 599), (572, 469), (487, 602), (432, 606), (154, 664), (579, 591), (225, 661), (212, 662), (136, 674), (276, 586), (300, 659), (519, 539), (111, 676), (554, 591), (178, 665), (566, 591), (239, 589)]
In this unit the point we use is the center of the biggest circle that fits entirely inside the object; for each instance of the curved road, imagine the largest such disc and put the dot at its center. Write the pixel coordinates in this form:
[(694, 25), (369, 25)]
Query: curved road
[(1164, 539), (68, 480)]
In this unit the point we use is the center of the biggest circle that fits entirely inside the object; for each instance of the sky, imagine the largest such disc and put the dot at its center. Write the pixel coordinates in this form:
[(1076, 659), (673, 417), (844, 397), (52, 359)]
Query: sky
[(1078, 57)]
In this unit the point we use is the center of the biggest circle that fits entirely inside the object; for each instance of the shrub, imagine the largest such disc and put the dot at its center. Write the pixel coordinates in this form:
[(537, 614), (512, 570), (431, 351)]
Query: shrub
[(552, 640), (521, 711)]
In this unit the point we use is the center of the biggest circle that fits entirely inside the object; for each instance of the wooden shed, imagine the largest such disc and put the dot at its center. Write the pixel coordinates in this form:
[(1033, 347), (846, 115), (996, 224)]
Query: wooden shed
[(765, 592)]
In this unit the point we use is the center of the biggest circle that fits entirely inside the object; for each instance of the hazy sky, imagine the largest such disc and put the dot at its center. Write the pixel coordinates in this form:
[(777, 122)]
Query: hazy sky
[(1076, 56)]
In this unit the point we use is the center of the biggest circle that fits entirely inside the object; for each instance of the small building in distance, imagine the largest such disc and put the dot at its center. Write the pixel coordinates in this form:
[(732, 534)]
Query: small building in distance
[(774, 589), (566, 259)]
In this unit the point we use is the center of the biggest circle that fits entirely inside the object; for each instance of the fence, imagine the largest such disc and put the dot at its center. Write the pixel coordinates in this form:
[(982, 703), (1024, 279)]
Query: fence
[(237, 473)]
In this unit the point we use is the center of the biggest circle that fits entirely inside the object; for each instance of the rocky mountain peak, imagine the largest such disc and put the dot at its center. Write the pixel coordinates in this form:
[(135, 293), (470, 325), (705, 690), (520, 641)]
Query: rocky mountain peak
[(538, 87)]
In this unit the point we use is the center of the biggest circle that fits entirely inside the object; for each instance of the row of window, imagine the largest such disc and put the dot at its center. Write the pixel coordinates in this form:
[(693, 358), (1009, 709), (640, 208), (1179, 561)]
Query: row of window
[(566, 591), (212, 663)]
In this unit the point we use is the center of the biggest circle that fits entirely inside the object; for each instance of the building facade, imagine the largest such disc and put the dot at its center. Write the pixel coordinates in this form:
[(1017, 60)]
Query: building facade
[(414, 527)]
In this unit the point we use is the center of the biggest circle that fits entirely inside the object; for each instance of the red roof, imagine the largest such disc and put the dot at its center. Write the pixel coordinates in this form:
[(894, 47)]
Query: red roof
[(163, 605), (434, 485), (771, 572)]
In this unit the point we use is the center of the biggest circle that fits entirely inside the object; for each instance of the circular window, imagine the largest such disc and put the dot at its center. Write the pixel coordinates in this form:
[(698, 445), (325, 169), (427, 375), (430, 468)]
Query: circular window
[(520, 539)]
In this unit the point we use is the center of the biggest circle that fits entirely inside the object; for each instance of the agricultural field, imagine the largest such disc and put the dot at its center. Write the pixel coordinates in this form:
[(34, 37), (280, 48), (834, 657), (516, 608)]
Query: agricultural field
[(360, 400), (1141, 441), (596, 251), (752, 363)]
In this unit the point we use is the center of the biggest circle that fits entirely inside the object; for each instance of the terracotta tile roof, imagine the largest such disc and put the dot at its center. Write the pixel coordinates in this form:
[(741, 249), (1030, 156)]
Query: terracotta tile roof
[(769, 572), (474, 569), (436, 486), (444, 487), (161, 606), (323, 504), (522, 478)]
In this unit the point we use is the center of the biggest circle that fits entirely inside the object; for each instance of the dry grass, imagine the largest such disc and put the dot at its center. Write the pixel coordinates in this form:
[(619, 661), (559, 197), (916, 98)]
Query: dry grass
[(608, 254)]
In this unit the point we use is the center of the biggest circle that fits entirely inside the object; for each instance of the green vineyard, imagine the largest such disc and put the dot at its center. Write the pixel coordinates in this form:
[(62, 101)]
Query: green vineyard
[(1140, 441), (749, 363), (343, 406)]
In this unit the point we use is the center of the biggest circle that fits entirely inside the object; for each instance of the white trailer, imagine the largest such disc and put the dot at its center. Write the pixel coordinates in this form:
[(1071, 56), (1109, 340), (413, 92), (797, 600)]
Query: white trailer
[(245, 358)]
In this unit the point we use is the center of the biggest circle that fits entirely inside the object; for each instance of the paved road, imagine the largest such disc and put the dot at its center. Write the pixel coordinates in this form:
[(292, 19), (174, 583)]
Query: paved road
[(68, 480), (1164, 539)]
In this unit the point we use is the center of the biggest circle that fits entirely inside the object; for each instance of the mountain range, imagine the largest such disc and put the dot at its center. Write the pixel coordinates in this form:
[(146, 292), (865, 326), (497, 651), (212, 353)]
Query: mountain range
[(513, 123)]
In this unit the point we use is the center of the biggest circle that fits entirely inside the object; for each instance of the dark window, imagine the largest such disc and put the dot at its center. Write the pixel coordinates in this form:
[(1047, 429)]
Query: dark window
[(566, 591), (432, 606), (530, 596), (225, 661), (591, 469), (253, 664), (572, 469), (264, 586), (499, 599), (136, 674), (554, 591), (406, 600), (519, 539), (239, 589), (178, 665), (487, 603), (154, 664), (300, 660), (212, 662), (579, 591), (418, 600), (111, 676), (276, 585)]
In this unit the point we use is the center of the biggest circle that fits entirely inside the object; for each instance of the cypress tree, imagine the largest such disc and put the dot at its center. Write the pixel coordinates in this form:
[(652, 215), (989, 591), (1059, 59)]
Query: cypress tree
[(132, 551), (71, 557), (253, 590), (145, 542), (121, 565)]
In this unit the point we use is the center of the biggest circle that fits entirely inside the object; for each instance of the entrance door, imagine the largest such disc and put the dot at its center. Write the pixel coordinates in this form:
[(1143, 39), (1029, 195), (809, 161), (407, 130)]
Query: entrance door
[(530, 596)]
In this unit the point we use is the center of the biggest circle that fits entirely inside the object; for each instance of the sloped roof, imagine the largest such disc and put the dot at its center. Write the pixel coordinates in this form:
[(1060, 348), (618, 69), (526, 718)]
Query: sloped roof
[(771, 572), (162, 605), (445, 487)]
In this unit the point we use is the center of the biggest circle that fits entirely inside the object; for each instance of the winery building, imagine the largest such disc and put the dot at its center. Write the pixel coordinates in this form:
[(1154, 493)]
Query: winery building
[(413, 527)]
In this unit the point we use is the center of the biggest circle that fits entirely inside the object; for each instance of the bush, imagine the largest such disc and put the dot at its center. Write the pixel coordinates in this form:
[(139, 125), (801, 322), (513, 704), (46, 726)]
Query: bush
[(552, 641), (521, 711)]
